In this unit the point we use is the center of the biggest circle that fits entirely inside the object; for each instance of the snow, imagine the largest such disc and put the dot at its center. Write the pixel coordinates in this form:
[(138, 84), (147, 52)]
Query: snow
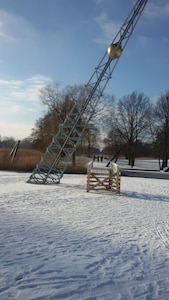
[(60, 242)]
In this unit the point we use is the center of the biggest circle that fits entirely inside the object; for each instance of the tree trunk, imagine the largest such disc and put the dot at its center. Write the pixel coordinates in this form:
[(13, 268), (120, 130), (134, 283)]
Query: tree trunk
[(74, 159)]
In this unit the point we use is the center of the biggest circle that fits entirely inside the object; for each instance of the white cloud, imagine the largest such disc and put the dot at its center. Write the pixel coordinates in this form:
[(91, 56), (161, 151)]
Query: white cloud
[(154, 9), (15, 108), (108, 29), (98, 2), (157, 9), (15, 130), (10, 83), (26, 90), (8, 26), (144, 41), (14, 28), (4, 34), (20, 104)]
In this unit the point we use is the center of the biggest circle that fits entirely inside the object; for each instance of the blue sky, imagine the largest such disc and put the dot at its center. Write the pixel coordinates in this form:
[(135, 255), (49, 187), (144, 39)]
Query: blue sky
[(42, 41)]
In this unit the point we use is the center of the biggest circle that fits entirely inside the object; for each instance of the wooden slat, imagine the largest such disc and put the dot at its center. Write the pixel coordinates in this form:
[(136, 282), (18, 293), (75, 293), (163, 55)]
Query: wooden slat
[(104, 179)]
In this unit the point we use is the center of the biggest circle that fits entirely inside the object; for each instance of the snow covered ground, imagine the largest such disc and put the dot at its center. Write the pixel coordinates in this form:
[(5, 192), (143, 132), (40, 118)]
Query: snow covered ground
[(60, 242)]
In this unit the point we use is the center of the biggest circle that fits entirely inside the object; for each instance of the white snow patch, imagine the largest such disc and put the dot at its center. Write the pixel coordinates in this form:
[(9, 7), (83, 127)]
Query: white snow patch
[(60, 242)]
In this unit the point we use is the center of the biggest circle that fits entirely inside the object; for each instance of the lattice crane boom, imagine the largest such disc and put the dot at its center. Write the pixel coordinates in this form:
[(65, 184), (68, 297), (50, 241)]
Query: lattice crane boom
[(53, 163)]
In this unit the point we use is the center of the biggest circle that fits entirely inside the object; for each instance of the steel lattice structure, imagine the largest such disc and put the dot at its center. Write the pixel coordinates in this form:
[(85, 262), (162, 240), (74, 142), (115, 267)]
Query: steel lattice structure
[(53, 163)]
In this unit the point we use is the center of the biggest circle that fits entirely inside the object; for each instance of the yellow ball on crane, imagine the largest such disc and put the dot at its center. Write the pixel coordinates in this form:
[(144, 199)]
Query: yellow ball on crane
[(114, 51)]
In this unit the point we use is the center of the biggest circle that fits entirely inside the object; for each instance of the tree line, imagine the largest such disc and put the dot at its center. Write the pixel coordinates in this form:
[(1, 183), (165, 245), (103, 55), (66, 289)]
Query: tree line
[(132, 126)]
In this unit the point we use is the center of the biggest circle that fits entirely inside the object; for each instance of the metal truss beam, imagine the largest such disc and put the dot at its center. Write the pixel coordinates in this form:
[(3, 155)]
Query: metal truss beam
[(53, 163)]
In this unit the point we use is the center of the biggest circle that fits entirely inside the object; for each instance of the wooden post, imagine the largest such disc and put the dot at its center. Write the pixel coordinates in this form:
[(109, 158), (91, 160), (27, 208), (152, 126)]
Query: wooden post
[(89, 167)]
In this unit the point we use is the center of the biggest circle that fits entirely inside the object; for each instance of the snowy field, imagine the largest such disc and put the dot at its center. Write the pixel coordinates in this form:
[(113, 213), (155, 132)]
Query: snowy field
[(60, 242), (142, 164)]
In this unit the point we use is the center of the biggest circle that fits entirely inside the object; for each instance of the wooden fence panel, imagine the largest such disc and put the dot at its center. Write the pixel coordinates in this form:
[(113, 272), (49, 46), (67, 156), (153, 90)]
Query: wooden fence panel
[(103, 178)]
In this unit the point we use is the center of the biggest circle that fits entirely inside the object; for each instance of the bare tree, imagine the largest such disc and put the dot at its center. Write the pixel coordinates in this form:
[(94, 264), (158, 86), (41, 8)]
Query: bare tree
[(162, 127), (50, 95), (59, 103), (91, 138), (40, 136), (132, 121)]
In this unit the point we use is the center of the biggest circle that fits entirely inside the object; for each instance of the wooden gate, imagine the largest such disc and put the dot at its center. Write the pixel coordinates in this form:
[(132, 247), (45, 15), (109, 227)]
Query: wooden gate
[(102, 178)]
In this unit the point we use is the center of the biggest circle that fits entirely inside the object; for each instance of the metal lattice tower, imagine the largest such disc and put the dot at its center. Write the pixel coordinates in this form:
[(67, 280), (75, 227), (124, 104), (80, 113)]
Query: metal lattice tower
[(54, 161)]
